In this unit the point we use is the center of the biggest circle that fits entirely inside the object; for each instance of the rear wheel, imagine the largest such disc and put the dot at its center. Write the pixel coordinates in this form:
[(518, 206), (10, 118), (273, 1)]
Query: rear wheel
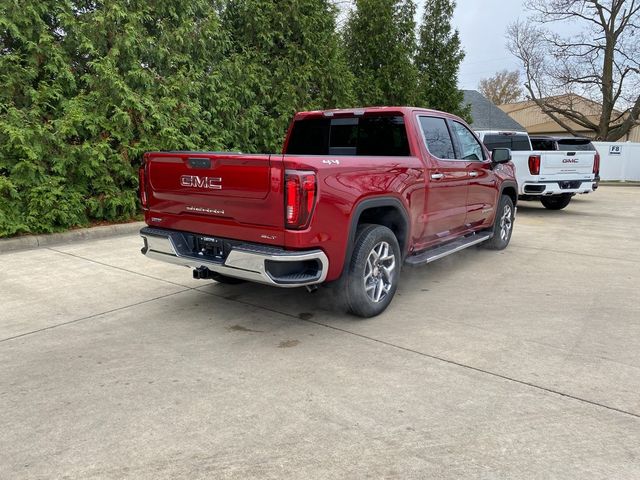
[(502, 225), (556, 202), (371, 279)]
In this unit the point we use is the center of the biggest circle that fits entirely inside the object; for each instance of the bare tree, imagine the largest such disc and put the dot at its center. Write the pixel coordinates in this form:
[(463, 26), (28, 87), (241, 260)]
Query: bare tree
[(601, 62), (503, 87)]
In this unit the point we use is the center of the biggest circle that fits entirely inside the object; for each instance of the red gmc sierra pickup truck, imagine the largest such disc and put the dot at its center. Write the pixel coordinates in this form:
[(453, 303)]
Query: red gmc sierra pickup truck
[(355, 194)]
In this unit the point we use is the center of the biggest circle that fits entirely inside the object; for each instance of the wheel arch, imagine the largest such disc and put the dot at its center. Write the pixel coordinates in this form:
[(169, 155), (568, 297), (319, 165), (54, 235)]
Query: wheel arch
[(511, 190), (386, 211)]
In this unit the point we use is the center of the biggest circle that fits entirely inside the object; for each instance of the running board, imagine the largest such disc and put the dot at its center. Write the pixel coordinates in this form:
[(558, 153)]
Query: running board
[(437, 253)]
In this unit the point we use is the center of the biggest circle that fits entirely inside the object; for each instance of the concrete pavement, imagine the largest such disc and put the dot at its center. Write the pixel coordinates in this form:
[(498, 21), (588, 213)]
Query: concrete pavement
[(520, 364), (76, 235)]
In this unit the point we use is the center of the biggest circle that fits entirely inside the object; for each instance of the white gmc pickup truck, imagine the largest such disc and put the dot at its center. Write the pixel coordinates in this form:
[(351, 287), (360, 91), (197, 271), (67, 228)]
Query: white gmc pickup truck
[(553, 170)]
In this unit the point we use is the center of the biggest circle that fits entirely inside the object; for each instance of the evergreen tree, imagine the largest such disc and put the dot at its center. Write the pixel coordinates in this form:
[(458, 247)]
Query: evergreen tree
[(90, 86), (380, 44), (36, 78), (286, 57), (438, 60)]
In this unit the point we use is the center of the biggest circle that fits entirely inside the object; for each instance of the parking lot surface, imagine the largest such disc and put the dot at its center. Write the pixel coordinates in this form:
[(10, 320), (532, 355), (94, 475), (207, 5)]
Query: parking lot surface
[(519, 364)]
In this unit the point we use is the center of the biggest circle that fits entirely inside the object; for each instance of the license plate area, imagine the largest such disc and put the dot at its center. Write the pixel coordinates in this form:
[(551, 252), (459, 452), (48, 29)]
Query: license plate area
[(570, 185), (211, 248)]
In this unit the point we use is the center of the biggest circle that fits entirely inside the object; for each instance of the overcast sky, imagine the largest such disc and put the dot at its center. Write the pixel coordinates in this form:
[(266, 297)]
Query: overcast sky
[(482, 26)]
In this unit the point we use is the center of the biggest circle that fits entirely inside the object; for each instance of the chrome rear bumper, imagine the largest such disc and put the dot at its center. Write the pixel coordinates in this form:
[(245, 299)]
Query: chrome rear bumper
[(253, 262), (540, 189)]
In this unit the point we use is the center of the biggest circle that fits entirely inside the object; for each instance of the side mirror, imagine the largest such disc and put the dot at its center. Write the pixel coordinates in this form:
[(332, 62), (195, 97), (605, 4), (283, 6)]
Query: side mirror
[(500, 155)]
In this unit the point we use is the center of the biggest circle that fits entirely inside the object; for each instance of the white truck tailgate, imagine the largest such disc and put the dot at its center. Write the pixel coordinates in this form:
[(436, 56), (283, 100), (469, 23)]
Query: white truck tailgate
[(566, 165)]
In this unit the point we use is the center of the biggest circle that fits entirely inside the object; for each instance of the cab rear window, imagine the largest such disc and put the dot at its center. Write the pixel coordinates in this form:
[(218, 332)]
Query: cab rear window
[(542, 144), (573, 145), (368, 135), (514, 142)]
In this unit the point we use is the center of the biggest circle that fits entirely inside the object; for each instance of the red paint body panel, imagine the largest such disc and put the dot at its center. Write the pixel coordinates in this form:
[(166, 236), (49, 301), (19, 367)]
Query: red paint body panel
[(249, 205), (341, 188)]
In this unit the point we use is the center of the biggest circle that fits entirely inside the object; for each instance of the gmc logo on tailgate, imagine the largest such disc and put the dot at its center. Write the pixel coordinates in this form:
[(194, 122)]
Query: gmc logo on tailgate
[(569, 160), (212, 183)]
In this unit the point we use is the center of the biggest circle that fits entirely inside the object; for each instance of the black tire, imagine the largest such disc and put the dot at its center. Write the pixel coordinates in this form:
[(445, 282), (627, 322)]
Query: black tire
[(556, 202), (502, 225), (218, 277), (371, 278)]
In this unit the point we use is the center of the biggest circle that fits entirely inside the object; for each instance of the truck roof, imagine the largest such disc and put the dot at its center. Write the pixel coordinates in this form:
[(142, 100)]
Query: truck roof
[(366, 110), (500, 132), (552, 137)]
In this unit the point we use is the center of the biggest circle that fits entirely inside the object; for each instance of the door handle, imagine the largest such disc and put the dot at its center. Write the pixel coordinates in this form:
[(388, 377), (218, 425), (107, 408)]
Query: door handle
[(437, 176), (473, 173)]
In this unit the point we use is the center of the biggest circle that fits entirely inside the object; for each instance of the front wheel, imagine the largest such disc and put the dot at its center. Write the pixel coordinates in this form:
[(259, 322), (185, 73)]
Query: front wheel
[(556, 202), (371, 279), (502, 225)]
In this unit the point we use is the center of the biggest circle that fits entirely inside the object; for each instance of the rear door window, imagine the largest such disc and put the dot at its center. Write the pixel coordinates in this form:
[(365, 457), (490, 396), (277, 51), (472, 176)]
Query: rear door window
[(437, 137)]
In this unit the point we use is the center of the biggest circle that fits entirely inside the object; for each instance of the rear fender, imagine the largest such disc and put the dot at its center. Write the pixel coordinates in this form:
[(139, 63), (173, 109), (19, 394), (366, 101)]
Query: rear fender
[(403, 230), (509, 188)]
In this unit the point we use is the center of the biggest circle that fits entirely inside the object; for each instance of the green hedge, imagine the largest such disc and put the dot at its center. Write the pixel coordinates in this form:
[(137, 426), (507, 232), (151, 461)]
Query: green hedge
[(87, 87)]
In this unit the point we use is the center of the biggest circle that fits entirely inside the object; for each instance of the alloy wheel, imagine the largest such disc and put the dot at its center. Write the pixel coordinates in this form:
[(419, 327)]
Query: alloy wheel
[(378, 272), (506, 222)]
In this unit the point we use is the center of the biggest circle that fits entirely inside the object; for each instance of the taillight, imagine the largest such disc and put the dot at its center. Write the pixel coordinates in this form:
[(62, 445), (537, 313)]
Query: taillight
[(534, 164), (300, 198), (142, 184), (596, 164)]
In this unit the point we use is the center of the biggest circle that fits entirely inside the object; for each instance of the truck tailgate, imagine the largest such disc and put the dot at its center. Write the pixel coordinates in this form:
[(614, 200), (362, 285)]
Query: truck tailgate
[(566, 165), (222, 194)]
